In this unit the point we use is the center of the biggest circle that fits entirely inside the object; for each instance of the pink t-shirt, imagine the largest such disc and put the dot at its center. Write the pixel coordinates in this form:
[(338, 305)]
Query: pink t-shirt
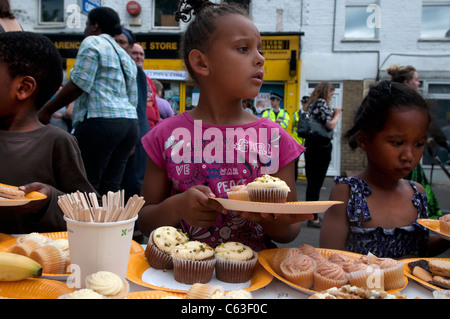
[(220, 157)]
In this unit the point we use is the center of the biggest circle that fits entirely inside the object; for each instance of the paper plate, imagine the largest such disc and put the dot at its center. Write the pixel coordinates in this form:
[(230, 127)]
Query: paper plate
[(142, 274), (418, 280), (265, 257), (279, 208), (154, 294), (433, 225), (21, 201), (11, 241), (34, 288)]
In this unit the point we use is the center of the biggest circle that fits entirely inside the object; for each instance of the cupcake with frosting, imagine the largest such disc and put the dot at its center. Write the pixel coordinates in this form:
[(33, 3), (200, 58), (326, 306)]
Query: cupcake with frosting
[(281, 255), (205, 291), (364, 276), (444, 224), (235, 262), (82, 294), (37, 236), (329, 275), (392, 270), (193, 262), (299, 270), (108, 284), (268, 189), (313, 253), (26, 246), (160, 244), (238, 192)]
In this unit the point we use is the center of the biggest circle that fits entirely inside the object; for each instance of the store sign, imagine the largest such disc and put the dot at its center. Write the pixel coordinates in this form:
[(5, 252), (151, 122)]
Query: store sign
[(167, 75), (279, 47), (88, 5)]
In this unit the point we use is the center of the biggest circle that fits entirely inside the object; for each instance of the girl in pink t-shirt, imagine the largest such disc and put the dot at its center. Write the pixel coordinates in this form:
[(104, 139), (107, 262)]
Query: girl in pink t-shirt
[(203, 153)]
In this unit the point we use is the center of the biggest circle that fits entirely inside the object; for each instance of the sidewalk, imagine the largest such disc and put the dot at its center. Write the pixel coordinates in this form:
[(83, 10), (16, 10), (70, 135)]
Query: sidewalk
[(310, 236)]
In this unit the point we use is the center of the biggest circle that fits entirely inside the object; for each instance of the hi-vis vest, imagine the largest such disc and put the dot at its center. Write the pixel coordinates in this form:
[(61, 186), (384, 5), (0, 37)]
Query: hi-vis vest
[(294, 128), (282, 114)]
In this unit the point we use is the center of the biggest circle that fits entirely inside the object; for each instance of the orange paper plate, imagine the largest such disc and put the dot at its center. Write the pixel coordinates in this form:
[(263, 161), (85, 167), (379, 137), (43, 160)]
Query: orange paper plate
[(265, 257), (11, 241), (138, 265), (279, 208), (433, 225), (21, 201), (34, 288), (154, 294), (418, 280)]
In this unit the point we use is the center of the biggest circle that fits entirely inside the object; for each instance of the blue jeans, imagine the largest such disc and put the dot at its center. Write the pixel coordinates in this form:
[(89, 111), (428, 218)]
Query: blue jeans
[(105, 146)]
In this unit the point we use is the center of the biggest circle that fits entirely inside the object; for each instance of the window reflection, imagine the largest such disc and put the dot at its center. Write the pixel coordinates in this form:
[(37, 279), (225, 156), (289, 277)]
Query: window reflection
[(51, 11), (435, 22), (356, 25)]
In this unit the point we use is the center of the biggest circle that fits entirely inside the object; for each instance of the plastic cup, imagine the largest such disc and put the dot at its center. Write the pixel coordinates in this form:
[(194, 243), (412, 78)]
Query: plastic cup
[(97, 247)]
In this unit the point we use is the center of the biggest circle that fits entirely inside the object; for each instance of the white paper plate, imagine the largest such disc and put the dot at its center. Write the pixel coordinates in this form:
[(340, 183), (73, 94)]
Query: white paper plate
[(279, 208)]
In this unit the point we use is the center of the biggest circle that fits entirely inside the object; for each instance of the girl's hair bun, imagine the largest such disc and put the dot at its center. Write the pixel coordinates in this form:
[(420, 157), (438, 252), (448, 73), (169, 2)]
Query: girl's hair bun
[(191, 7)]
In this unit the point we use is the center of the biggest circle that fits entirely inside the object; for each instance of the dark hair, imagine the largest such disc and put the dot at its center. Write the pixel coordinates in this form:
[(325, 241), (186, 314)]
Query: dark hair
[(34, 55), (107, 19), (372, 114), (130, 36), (321, 91), (203, 26), (5, 10)]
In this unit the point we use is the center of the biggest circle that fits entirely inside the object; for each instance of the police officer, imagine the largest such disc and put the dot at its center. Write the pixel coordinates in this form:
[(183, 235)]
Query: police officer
[(275, 113)]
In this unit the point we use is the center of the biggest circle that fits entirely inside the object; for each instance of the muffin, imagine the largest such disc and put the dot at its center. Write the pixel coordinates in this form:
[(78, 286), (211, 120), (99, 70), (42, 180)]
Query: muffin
[(364, 276), (51, 257), (235, 262), (238, 294), (340, 259), (205, 291), (107, 284), (444, 224), (41, 238), (82, 294), (281, 255), (313, 253), (161, 242), (268, 189), (392, 270), (328, 275), (299, 270), (193, 262), (27, 246), (238, 192)]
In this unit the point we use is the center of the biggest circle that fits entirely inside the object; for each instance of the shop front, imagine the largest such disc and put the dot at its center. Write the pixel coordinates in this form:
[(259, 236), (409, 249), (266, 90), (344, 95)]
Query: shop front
[(162, 62)]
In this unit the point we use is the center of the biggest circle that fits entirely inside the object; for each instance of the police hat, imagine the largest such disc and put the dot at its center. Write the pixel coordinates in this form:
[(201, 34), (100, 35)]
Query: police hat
[(274, 95), (305, 99)]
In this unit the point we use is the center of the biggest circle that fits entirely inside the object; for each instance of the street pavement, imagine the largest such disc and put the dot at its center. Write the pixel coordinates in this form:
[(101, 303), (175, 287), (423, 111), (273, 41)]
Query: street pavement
[(310, 236)]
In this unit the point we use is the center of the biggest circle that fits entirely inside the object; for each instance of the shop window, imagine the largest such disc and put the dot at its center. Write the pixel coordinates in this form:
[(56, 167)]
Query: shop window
[(435, 21), (51, 11), (362, 21), (438, 95), (165, 13)]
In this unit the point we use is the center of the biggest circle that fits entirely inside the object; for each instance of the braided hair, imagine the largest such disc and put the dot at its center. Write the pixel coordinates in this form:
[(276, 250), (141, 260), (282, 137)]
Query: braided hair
[(200, 30), (372, 114)]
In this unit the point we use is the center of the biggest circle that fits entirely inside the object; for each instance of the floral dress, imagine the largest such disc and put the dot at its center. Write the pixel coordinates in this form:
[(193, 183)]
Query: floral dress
[(386, 243)]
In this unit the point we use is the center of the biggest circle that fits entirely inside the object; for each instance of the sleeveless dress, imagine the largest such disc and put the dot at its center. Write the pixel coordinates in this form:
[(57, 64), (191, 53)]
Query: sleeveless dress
[(385, 243)]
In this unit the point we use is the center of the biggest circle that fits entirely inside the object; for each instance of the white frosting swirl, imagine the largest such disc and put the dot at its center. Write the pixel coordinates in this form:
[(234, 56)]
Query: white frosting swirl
[(167, 238), (234, 251), (193, 250), (84, 294), (267, 181), (105, 283)]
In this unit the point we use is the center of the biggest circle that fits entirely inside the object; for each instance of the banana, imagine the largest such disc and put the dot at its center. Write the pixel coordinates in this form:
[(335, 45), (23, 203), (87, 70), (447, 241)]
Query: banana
[(15, 267)]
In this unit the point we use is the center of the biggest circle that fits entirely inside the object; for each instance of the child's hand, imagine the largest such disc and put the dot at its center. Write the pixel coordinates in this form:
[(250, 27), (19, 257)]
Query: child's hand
[(198, 209), (36, 205)]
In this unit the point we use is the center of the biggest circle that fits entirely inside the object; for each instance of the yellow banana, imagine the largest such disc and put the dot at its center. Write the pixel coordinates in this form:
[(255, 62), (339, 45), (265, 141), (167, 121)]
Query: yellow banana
[(15, 267)]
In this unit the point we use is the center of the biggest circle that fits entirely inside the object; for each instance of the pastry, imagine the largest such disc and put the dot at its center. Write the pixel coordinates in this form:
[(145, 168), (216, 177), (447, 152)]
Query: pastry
[(444, 224), (51, 257), (193, 262), (281, 255), (340, 259), (299, 269), (205, 291), (238, 192), (11, 193), (268, 189), (392, 270), (364, 276), (160, 244), (235, 262), (352, 292), (421, 273), (329, 275), (41, 238), (108, 284), (442, 281), (27, 246), (238, 294), (82, 294), (313, 253), (439, 267)]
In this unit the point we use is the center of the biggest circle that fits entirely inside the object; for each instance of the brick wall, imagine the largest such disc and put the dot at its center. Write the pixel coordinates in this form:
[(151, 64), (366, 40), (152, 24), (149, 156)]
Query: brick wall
[(351, 160)]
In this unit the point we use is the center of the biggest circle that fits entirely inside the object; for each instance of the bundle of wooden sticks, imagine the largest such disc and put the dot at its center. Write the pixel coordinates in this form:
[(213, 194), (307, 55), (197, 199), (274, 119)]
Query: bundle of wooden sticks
[(86, 208)]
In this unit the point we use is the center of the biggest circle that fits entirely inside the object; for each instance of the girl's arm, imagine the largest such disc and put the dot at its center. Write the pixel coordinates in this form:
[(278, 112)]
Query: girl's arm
[(335, 224), (161, 209)]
